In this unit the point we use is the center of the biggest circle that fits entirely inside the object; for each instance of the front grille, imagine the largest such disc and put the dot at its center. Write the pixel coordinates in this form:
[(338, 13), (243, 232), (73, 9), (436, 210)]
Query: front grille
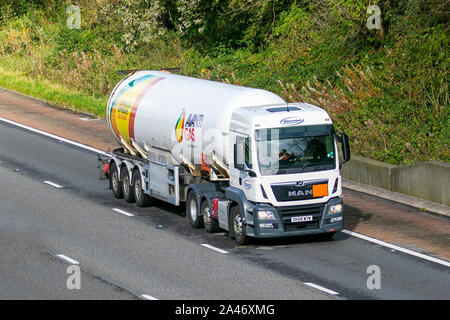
[(286, 213), (291, 191)]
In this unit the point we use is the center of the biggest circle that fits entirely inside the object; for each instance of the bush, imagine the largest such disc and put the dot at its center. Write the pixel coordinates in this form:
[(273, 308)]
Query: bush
[(388, 88)]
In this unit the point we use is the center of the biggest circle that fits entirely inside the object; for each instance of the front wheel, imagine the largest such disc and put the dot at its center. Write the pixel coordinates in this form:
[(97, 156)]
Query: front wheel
[(237, 226), (192, 211), (210, 223)]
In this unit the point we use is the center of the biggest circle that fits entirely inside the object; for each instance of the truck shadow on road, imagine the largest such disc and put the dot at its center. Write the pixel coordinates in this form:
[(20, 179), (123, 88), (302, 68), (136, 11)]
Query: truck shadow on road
[(166, 216), (353, 216)]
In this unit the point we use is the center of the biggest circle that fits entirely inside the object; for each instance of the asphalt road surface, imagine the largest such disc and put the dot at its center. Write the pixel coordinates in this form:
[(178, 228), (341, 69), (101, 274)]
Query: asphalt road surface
[(55, 213)]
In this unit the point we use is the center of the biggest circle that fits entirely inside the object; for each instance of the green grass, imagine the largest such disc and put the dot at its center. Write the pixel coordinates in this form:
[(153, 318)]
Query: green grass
[(52, 93)]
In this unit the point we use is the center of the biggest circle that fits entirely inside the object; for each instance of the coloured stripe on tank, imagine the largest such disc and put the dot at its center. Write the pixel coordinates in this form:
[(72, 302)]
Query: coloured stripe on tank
[(125, 104)]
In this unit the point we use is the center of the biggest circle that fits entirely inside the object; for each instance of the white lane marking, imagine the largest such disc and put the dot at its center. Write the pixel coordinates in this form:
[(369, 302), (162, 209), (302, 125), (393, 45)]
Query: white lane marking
[(213, 248), (70, 260), (321, 288), (394, 247), (123, 212), (61, 139), (53, 184), (148, 297)]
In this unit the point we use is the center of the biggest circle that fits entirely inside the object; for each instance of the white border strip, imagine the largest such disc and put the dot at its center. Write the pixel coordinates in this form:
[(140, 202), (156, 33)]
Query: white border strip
[(313, 285), (53, 184), (148, 297), (213, 248), (393, 246), (123, 212), (66, 258), (53, 136)]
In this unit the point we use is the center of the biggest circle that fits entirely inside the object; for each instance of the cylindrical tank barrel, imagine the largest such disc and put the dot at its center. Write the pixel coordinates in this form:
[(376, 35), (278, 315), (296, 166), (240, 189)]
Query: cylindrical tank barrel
[(188, 117)]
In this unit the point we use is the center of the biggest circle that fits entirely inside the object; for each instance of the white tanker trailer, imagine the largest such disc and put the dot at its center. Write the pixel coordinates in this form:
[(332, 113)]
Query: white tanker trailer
[(242, 159)]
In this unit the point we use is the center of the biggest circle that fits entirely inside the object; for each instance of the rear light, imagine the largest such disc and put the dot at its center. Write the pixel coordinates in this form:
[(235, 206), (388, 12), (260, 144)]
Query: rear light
[(214, 207), (106, 168)]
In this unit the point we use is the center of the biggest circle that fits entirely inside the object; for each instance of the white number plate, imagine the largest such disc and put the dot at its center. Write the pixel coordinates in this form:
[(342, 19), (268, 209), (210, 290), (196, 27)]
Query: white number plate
[(301, 219)]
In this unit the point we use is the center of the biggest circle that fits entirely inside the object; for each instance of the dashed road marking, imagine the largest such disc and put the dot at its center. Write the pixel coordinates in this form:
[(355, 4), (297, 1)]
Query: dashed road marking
[(148, 297), (68, 259), (313, 285), (53, 184), (213, 248), (123, 212)]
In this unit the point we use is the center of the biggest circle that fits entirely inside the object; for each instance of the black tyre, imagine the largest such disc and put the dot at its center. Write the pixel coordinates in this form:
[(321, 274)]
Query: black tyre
[(237, 226), (192, 211), (209, 222), (142, 199), (116, 185), (127, 190)]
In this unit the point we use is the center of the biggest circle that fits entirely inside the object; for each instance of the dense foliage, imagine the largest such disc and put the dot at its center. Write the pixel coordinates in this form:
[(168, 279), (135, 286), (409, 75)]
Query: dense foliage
[(387, 88)]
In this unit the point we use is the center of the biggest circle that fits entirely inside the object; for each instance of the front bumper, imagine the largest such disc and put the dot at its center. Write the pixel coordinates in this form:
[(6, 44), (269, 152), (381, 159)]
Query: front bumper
[(282, 226)]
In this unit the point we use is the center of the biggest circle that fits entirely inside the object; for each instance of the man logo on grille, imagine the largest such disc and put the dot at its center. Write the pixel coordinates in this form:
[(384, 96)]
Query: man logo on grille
[(300, 193)]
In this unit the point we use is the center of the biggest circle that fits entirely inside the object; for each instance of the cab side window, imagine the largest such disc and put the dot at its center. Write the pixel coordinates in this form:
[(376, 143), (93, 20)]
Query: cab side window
[(242, 153)]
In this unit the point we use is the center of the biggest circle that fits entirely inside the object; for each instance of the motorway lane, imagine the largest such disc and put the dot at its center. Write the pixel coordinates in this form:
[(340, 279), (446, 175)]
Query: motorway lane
[(28, 272), (157, 253), (141, 259), (137, 258)]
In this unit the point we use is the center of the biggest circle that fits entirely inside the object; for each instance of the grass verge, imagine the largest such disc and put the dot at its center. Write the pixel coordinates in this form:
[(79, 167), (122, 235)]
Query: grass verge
[(55, 94)]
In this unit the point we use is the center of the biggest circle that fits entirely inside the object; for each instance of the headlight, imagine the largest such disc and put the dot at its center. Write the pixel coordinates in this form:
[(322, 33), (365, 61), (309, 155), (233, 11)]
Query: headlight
[(266, 215), (337, 208)]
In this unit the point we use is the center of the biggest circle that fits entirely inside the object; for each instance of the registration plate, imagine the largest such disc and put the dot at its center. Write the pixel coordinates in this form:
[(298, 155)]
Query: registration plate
[(302, 219)]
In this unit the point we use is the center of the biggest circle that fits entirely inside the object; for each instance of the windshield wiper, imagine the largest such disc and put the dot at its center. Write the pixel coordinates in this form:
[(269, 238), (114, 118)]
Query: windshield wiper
[(314, 164)]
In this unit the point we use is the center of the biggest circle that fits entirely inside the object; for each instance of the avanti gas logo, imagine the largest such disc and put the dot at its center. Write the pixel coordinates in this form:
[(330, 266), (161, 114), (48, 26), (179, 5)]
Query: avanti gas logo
[(185, 128), (180, 126)]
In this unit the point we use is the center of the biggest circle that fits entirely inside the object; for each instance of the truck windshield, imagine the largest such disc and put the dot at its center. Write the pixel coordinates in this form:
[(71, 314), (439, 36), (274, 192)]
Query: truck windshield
[(295, 149)]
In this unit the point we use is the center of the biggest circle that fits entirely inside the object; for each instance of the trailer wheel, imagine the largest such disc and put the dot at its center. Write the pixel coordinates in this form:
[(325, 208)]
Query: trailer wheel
[(192, 211), (116, 185), (237, 226), (210, 223), (142, 199), (126, 185)]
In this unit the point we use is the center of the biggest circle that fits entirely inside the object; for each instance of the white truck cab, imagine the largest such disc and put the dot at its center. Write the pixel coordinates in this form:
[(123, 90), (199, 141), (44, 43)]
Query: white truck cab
[(286, 165)]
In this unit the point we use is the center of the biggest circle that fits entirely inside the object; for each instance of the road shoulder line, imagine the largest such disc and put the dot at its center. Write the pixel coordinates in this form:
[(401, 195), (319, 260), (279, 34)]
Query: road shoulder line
[(397, 248)]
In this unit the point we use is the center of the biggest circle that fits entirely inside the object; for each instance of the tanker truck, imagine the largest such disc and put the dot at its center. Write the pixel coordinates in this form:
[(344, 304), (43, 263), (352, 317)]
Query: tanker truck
[(240, 159)]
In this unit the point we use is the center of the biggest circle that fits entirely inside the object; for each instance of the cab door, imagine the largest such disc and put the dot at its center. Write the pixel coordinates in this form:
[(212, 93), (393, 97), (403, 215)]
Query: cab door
[(241, 174)]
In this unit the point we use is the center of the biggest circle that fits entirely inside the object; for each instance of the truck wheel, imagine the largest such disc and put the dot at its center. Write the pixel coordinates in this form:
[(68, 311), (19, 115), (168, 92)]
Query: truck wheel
[(116, 185), (192, 211), (126, 185), (210, 223), (142, 199), (237, 226)]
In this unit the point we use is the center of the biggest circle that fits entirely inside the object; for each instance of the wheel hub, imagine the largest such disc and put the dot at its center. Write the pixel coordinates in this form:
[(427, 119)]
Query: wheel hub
[(193, 209)]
